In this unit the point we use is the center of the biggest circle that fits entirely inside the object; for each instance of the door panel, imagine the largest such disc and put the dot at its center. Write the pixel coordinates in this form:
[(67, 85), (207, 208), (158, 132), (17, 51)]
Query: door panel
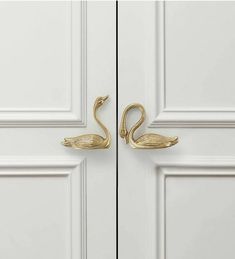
[(189, 40), (195, 208), (195, 60), (175, 58), (56, 59), (43, 208), (201, 209), (41, 57)]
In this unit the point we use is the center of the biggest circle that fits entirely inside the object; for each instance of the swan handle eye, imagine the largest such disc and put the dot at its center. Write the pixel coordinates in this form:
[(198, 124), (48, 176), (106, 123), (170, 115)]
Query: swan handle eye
[(123, 133)]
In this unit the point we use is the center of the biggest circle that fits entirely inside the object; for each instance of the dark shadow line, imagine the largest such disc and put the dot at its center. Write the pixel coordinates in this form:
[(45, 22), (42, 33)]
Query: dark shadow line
[(116, 129)]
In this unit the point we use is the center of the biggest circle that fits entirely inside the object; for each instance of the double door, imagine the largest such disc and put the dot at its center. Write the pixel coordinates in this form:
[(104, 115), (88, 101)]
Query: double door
[(70, 186)]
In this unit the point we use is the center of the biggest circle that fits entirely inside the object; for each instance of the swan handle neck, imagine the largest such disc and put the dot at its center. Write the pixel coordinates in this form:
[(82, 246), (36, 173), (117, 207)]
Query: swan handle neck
[(123, 128)]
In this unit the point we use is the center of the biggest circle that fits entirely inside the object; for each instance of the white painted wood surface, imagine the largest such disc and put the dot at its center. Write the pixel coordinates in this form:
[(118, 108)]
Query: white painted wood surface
[(56, 58), (176, 58)]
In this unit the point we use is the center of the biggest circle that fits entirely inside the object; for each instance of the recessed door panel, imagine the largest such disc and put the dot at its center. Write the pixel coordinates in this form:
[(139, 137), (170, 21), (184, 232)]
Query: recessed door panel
[(43, 62)]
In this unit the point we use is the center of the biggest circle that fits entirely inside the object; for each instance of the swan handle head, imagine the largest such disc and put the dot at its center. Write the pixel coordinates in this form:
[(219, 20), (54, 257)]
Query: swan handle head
[(124, 134), (100, 101)]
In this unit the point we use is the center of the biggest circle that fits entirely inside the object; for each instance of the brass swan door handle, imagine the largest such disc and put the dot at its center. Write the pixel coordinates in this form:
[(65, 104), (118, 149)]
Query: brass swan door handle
[(146, 141), (91, 141)]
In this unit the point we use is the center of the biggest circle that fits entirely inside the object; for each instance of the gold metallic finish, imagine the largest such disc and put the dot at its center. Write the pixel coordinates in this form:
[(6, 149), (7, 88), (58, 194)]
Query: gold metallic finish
[(146, 141), (91, 141)]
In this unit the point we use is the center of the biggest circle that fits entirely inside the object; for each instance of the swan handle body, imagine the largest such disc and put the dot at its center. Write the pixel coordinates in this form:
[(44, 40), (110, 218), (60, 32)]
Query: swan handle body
[(91, 141), (146, 141)]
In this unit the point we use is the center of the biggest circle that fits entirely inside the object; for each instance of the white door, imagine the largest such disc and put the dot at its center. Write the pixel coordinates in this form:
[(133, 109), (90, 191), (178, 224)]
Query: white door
[(177, 59), (56, 58)]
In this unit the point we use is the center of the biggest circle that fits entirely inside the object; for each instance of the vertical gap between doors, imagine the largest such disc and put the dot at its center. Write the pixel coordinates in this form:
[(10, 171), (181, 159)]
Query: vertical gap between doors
[(116, 129)]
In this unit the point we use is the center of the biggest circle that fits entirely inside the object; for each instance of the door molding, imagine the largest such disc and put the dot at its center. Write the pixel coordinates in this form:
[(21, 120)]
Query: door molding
[(75, 173), (74, 113), (187, 167), (161, 115)]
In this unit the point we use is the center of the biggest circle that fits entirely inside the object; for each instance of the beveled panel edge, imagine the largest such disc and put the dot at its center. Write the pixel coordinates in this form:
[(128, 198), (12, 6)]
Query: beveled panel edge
[(56, 117), (162, 116), (77, 169), (192, 162)]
